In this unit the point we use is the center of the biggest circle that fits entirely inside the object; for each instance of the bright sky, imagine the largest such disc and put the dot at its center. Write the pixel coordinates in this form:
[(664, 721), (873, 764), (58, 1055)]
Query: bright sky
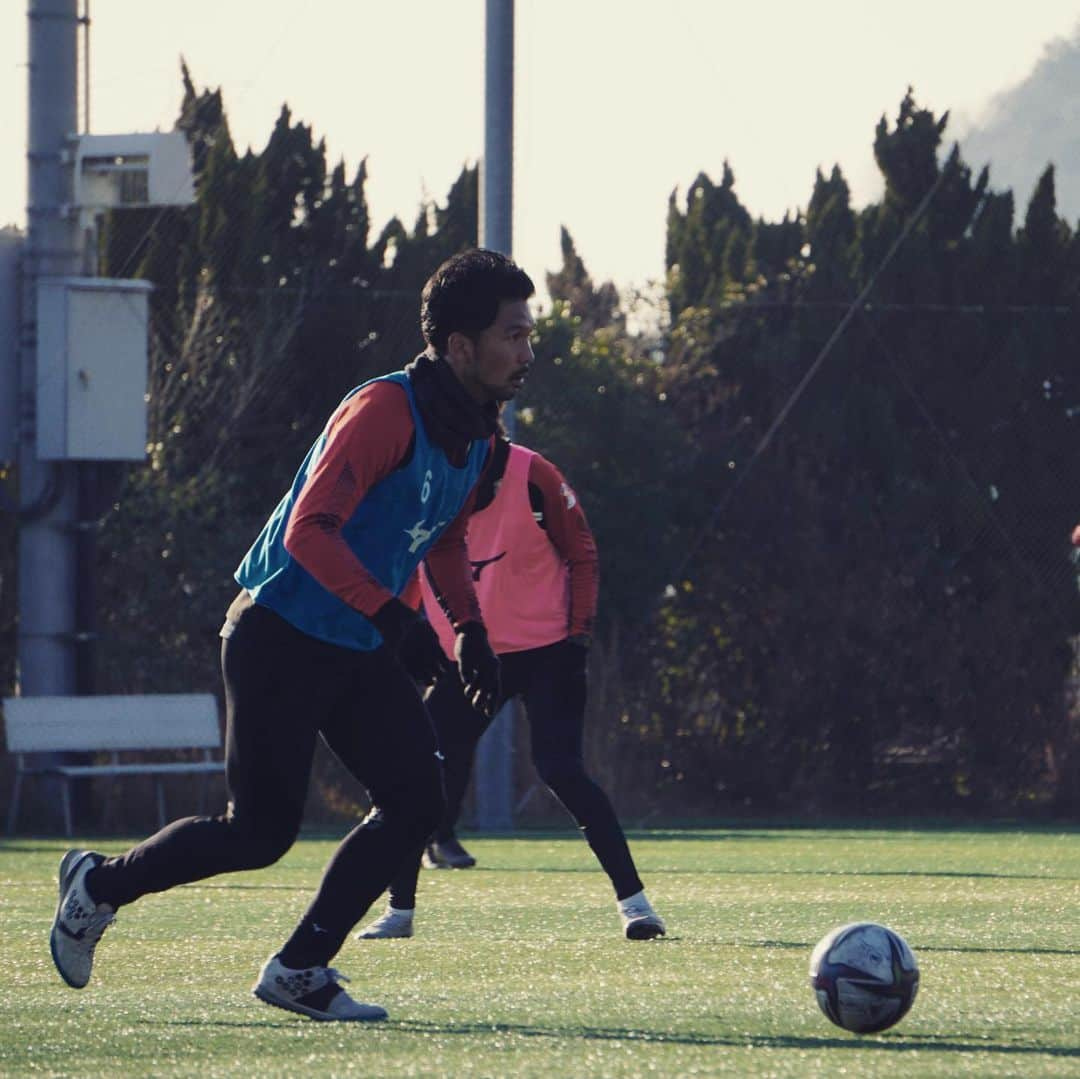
[(618, 101)]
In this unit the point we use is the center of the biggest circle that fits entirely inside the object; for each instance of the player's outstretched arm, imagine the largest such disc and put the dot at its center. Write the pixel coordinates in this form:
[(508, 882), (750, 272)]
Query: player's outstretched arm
[(367, 438)]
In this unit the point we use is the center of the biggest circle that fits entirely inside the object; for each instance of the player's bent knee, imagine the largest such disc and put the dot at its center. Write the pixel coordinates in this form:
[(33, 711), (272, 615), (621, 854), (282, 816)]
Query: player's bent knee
[(261, 844), (268, 850), (426, 810), (575, 788), (414, 808), (559, 773)]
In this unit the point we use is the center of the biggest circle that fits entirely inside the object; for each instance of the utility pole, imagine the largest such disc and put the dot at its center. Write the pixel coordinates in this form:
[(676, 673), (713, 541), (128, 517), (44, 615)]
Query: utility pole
[(48, 502), (495, 753)]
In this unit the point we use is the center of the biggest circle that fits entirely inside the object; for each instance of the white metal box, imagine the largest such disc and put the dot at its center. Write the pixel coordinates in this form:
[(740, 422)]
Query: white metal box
[(137, 169), (91, 369)]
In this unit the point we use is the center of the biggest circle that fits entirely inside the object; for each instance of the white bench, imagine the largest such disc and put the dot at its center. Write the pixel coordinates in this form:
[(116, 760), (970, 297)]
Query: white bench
[(168, 721)]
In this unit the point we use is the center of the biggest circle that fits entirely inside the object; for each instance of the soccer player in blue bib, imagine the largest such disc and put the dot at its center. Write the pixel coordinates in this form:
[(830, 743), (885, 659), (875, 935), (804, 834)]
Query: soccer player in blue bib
[(318, 643)]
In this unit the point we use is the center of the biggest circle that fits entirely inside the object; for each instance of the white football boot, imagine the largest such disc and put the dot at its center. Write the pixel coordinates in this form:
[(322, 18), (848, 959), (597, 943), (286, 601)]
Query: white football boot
[(392, 923), (640, 921), (315, 992), (79, 921)]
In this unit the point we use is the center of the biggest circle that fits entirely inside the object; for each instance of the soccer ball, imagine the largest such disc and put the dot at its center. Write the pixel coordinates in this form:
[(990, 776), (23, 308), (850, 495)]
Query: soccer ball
[(864, 976)]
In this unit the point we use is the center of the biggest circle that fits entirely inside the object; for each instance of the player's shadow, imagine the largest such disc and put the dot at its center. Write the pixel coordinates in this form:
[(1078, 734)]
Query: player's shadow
[(17, 846), (883, 1042), (802, 946), (913, 873), (886, 1042), (689, 835), (591, 869)]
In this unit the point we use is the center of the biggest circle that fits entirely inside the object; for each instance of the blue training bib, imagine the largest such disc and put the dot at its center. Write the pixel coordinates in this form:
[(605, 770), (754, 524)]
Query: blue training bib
[(390, 532)]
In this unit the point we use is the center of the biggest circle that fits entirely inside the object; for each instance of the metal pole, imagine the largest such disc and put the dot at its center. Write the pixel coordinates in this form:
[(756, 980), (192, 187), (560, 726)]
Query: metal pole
[(47, 493), (495, 753), (85, 22), (497, 170), (497, 167)]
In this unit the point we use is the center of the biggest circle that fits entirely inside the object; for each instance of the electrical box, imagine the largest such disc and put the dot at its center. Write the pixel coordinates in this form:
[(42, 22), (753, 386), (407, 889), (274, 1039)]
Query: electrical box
[(91, 369), (11, 241)]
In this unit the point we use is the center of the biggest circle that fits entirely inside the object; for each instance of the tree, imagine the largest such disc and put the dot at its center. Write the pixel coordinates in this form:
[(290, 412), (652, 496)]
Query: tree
[(596, 307), (886, 517), (698, 238), (599, 411), (834, 568), (271, 301)]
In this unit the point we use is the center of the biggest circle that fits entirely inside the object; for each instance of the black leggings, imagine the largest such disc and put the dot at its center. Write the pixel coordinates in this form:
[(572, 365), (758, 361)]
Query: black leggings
[(552, 684), (283, 689)]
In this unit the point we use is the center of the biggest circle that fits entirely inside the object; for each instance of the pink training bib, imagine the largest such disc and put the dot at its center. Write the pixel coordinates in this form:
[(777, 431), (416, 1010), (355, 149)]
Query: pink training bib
[(521, 581)]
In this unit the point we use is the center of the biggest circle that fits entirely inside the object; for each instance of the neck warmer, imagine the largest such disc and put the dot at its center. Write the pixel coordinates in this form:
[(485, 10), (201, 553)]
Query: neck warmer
[(451, 417)]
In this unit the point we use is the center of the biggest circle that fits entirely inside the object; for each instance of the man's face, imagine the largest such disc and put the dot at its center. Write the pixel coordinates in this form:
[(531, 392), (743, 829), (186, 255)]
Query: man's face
[(493, 365)]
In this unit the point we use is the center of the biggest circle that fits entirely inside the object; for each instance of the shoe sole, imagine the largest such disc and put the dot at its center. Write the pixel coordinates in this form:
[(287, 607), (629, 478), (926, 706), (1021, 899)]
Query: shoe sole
[(68, 866), (383, 936), (311, 1013)]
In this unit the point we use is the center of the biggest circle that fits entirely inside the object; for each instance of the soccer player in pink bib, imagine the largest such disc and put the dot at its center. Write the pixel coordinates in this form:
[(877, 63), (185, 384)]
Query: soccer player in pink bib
[(535, 570)]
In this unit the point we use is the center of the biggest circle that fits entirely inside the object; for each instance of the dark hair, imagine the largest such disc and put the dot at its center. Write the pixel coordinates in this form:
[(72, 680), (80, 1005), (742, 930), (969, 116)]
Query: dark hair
[(464, 293)]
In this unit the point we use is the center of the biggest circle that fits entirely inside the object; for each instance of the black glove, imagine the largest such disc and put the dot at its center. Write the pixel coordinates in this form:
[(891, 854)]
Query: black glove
[(412, 640), (478, 667)]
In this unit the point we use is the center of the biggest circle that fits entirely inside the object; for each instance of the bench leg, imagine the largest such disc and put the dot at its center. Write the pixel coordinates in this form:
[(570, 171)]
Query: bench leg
[(66, 802), (13, 809)]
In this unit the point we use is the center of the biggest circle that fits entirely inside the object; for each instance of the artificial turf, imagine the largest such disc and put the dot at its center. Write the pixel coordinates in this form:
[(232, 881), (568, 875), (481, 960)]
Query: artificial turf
[(518, 967)]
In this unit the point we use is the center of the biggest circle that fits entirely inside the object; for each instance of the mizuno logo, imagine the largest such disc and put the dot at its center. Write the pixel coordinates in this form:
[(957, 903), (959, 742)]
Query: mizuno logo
[(477, 567), (420, 535)]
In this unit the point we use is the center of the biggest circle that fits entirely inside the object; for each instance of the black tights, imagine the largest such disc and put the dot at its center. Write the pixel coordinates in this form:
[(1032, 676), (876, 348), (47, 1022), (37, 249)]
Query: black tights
[(283, 689), (552, 684)]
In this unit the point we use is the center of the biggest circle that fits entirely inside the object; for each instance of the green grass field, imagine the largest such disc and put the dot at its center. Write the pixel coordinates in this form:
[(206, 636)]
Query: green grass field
[(518, 968)]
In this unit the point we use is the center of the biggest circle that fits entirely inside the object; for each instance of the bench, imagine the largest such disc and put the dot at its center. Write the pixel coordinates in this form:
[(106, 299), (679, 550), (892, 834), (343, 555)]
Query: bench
[(156, 722)]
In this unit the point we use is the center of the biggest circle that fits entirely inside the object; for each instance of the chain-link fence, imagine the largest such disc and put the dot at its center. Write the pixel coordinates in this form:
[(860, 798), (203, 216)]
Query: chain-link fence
[(832, 484)]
